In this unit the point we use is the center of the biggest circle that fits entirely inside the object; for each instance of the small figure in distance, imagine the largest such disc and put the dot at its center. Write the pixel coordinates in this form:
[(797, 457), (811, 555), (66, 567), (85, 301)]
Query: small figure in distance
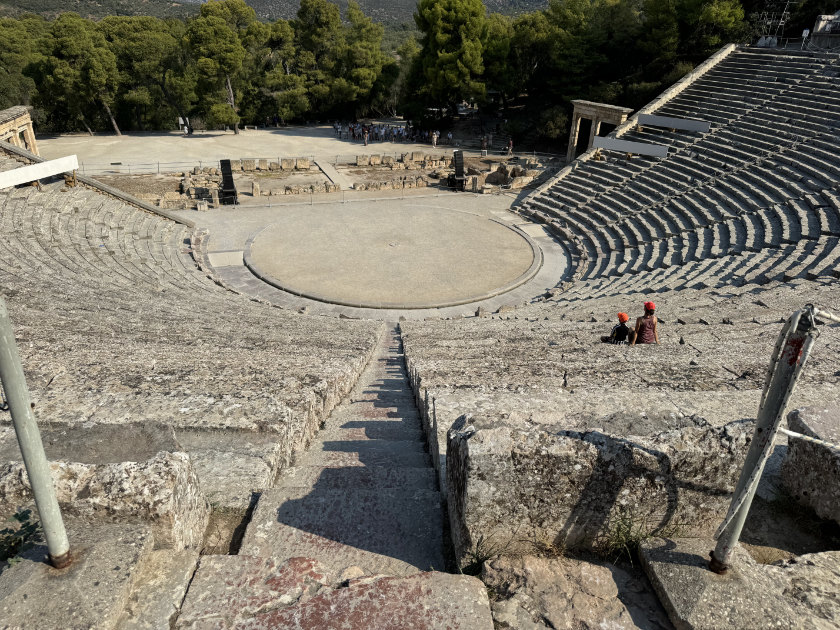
[(646, 330), (620, 333)]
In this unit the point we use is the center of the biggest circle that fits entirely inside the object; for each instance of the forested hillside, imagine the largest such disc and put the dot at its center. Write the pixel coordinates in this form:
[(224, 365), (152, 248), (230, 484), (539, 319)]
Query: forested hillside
[(97, 9), (225, 67), (387, 12)]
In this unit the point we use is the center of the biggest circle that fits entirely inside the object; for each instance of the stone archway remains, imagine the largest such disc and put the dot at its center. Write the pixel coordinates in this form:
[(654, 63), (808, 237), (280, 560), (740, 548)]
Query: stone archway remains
[(16, 128), (598, 113)]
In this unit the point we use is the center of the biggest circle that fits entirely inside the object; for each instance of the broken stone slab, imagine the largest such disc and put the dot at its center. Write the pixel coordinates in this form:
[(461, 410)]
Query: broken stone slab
[(394, 532), (161, 586), (810, 471), (520, 486), (538, 593), (90, 593), (800, 593), (128, 473), (250, 592)]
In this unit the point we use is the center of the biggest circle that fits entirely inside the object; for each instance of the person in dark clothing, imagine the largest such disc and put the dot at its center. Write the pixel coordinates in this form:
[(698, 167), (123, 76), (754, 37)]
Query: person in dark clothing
[(620, 333), (646, 327)]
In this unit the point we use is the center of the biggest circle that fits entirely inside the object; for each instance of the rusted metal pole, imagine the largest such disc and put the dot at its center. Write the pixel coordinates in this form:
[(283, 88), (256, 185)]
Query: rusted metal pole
[(31, 447)]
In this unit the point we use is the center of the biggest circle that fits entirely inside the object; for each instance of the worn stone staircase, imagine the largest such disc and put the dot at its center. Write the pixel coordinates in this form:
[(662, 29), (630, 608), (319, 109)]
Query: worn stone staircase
[(352, 535)]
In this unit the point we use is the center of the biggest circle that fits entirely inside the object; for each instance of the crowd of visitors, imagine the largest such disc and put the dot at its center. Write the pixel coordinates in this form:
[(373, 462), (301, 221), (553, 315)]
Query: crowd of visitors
[(369, 132)]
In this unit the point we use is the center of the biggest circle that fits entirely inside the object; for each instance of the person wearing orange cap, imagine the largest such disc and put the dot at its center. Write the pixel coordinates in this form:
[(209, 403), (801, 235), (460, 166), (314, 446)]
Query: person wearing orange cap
[(620, 332), (646, 330)]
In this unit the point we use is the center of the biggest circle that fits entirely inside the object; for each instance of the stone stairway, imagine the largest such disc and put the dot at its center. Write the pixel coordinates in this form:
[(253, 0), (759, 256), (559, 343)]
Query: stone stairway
[(364, 493), (352, 535)]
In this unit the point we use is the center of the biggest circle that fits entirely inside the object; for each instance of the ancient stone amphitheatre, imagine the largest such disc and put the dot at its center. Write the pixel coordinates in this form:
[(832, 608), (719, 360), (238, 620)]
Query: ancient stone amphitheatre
[(237, 442)]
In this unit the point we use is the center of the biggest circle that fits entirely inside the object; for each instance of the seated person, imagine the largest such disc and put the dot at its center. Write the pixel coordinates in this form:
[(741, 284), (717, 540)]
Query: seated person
[(620, 333), (646, 327)]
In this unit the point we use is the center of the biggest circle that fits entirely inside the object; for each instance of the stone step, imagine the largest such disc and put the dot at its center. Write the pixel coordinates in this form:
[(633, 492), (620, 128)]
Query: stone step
[(375, 409), (249, 592), (394, 532), (372, 429), (358, 477), (90, 593), (393, 453)]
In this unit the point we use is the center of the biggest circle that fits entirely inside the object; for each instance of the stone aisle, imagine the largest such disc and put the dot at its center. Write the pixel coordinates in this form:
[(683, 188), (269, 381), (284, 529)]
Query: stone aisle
[(352, 536), (364, 494)]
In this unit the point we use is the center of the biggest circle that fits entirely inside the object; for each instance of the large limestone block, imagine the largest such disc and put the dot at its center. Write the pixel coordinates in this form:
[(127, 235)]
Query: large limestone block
[(362, 160), (161, 585), (517, 486), (119, 479), (90, 593), (287, 164), (538, 593), (251, 592), (811, 472), (375, 160), (302, 164), (799, 593), (249, 165)]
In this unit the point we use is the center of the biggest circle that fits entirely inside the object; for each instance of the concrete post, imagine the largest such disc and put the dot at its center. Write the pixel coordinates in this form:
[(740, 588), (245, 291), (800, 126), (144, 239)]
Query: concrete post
[(31, 447), (573, 138)]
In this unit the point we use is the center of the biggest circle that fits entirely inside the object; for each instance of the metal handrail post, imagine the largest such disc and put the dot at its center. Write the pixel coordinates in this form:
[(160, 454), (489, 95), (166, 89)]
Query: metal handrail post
[(789, 357), (31, 447)]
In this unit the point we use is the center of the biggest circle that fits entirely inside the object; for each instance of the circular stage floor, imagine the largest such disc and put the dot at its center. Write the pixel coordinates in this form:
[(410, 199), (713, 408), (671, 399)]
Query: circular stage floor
[(377, 256)]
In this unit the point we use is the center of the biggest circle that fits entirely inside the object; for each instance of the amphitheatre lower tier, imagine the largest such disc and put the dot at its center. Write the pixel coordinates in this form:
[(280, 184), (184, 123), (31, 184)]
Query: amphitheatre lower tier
[(408, 257)]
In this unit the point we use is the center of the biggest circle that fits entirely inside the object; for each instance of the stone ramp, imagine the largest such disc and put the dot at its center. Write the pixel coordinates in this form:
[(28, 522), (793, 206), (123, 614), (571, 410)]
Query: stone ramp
[(334, 176), (363, 495)]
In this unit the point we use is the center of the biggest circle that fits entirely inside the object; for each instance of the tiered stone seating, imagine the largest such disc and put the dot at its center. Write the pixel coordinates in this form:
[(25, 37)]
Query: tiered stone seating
[(762, 177), (116, 323)]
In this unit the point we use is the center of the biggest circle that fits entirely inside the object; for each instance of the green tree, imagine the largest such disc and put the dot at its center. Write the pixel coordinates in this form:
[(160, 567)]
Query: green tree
[(78, 75), (454, 32), (18, 49)]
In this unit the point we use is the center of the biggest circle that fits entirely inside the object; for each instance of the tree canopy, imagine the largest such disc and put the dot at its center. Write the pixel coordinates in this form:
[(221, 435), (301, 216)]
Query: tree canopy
[(224, 66)]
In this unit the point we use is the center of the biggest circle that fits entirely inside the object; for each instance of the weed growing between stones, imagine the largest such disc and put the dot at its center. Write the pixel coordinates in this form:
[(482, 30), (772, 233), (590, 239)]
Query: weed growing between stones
[(19, 537), (480, 552), (625, 532)]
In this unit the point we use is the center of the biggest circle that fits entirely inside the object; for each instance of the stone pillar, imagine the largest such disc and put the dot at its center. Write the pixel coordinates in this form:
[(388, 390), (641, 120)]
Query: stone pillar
[(15, 139), (29, 139), (596, 127), (573, 138)]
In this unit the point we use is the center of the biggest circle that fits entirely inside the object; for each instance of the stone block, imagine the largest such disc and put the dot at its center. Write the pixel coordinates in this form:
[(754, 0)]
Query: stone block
[(375, 160), (416, 156), (123, 473), (388, 160), (239, 591), (519, 483), (236, 165), (302, 164), (255, 189), (287, 164), (542, 593), (249, 165), (405, 157), (811, 472), (262, 165), (202, 205), (420, 182), (161, 586), (797, 594), (274, 166), (214, 196), (362, 160), (91, 593)]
